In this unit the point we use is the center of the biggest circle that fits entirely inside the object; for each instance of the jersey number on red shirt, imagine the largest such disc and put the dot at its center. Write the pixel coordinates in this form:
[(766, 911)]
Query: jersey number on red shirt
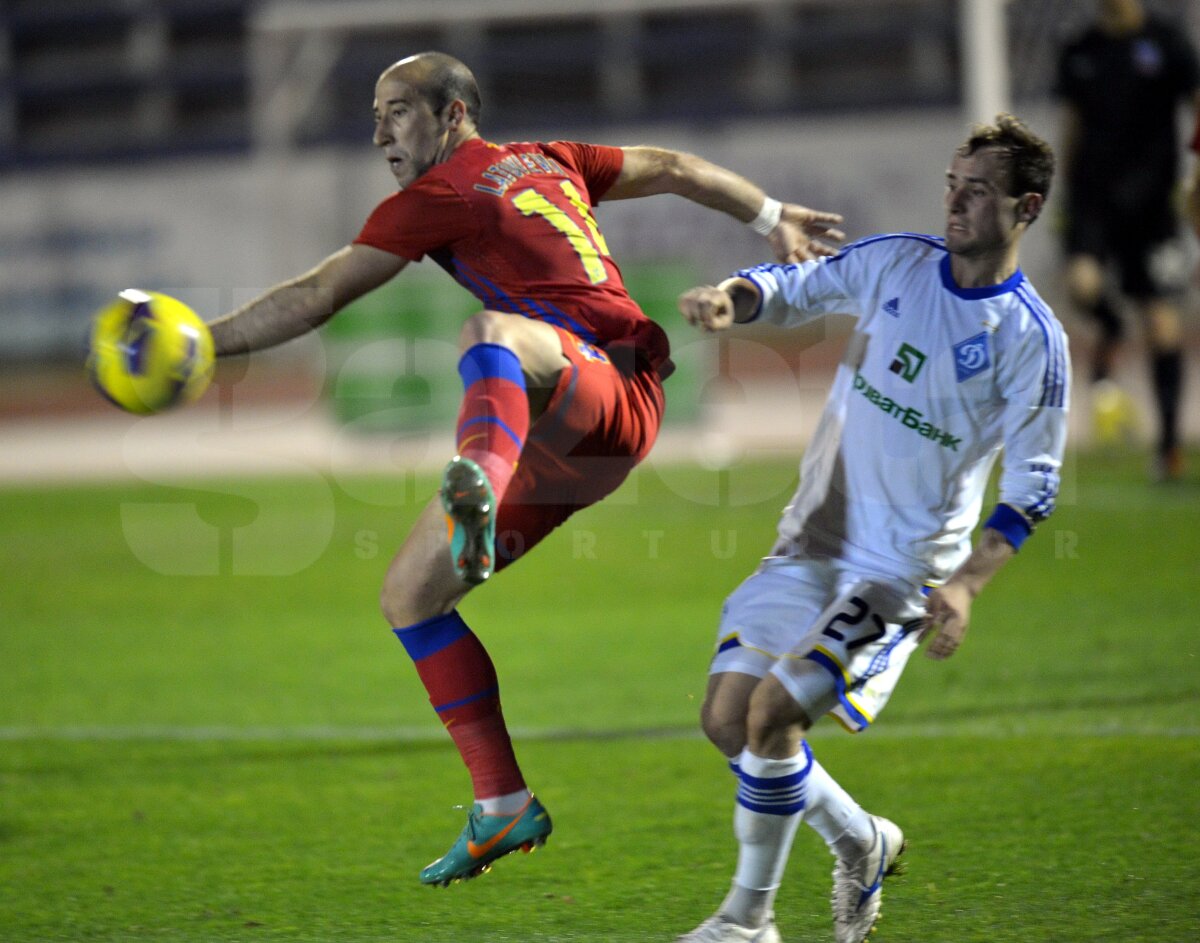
[(589, 245)]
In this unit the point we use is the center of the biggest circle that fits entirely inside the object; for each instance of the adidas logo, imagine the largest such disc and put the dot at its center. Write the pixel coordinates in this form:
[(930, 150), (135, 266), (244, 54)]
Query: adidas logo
[(892, 307)]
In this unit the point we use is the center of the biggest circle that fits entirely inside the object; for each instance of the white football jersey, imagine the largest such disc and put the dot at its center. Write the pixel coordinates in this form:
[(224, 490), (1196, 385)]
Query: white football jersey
[(935, 382)]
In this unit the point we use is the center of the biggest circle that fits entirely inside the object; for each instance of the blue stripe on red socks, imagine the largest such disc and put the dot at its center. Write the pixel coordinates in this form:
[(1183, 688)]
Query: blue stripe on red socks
[(494, 418), (460, 679)]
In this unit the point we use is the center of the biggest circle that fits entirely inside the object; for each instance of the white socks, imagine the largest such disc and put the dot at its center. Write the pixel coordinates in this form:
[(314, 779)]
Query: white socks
[(770, 803), (509, 804), (836, 817), (772, 797)]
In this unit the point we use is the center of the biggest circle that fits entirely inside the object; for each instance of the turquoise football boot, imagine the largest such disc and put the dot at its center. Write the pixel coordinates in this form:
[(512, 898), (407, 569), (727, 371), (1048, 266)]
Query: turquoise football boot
[(486, 838), (470, 506)]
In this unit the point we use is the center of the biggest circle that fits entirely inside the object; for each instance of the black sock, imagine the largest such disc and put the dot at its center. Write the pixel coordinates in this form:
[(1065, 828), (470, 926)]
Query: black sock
[(1112, 329), (1166, 367)]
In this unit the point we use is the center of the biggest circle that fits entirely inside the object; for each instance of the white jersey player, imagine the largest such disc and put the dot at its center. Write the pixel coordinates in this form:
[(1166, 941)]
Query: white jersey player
[(954, 361), (935, 381)]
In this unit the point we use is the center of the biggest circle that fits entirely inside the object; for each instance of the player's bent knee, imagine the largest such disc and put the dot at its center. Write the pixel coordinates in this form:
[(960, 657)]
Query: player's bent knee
[(521, 335), (536, 345), (726, 733), (485, 327), (723, 716), (775, 722)]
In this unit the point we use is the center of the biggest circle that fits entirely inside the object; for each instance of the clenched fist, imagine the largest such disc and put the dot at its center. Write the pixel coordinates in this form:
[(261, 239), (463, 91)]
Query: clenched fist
[(717, 307)]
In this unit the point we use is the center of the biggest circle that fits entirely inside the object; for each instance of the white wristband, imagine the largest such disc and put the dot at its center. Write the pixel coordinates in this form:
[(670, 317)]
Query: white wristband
[(768, 217)]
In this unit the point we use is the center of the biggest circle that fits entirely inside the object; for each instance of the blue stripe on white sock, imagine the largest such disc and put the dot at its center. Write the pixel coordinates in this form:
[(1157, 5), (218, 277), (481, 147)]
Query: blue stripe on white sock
[(775, 795)]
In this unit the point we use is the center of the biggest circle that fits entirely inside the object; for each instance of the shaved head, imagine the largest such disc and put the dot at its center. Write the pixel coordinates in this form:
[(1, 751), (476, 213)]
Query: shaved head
[(439, 79)]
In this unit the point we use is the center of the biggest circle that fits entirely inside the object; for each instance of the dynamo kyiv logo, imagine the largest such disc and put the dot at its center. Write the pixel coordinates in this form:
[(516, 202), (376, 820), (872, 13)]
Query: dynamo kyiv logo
[(971, 356)]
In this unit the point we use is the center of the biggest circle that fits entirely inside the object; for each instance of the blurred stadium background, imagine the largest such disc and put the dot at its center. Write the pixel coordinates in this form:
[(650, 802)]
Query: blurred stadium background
[(209, 148)]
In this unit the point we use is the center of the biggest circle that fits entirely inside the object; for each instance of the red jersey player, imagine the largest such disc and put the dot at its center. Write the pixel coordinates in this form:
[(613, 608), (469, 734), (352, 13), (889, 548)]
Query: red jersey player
[(561, 370)]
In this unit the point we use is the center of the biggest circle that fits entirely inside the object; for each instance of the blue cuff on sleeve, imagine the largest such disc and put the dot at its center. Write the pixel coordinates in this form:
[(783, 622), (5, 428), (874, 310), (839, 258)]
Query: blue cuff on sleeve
[(1011, 524)]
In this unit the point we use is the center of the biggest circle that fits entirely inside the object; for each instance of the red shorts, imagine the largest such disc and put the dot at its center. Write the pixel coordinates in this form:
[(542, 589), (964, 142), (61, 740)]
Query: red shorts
[(600, 422)]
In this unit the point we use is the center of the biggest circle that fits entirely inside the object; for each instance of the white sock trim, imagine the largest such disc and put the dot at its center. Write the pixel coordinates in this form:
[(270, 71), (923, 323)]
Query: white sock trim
[(508, 804)]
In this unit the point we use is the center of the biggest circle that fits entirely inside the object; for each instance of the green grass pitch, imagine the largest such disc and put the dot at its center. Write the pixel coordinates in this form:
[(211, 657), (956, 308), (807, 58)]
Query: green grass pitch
[(241, 757)]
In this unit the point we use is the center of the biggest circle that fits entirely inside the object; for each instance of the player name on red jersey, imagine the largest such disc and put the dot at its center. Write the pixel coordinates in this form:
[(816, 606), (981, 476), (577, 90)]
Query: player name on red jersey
[(506, 172)]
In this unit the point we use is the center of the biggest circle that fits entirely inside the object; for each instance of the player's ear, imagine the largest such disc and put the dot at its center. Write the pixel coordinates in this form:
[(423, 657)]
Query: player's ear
[(456, 113), (1029, 207)]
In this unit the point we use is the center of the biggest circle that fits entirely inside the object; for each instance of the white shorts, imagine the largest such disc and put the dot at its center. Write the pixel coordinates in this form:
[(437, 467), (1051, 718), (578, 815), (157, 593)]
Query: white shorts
[(836, 638)]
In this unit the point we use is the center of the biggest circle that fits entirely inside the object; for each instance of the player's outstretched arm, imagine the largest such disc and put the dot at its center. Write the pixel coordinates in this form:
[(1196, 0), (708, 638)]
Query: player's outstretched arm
[(793, 231), (949, 606), (717, 307), (303, 304)]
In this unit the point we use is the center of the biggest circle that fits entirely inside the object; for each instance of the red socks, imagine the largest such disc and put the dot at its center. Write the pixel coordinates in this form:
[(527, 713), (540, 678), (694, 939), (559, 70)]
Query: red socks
[(494, 418), (451, 661), (461, 680)]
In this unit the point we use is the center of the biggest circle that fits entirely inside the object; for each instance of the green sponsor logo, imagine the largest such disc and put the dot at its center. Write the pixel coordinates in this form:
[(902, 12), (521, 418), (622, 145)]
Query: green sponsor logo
[(907, 416), (908, 362)]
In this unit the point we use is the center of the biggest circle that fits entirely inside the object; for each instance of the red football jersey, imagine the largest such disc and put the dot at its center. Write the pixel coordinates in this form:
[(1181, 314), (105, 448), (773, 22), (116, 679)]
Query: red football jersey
[(513, 225)]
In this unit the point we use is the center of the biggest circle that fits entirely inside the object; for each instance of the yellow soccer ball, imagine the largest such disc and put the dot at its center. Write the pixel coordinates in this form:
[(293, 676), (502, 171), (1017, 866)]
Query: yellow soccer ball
[(149, 352)]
